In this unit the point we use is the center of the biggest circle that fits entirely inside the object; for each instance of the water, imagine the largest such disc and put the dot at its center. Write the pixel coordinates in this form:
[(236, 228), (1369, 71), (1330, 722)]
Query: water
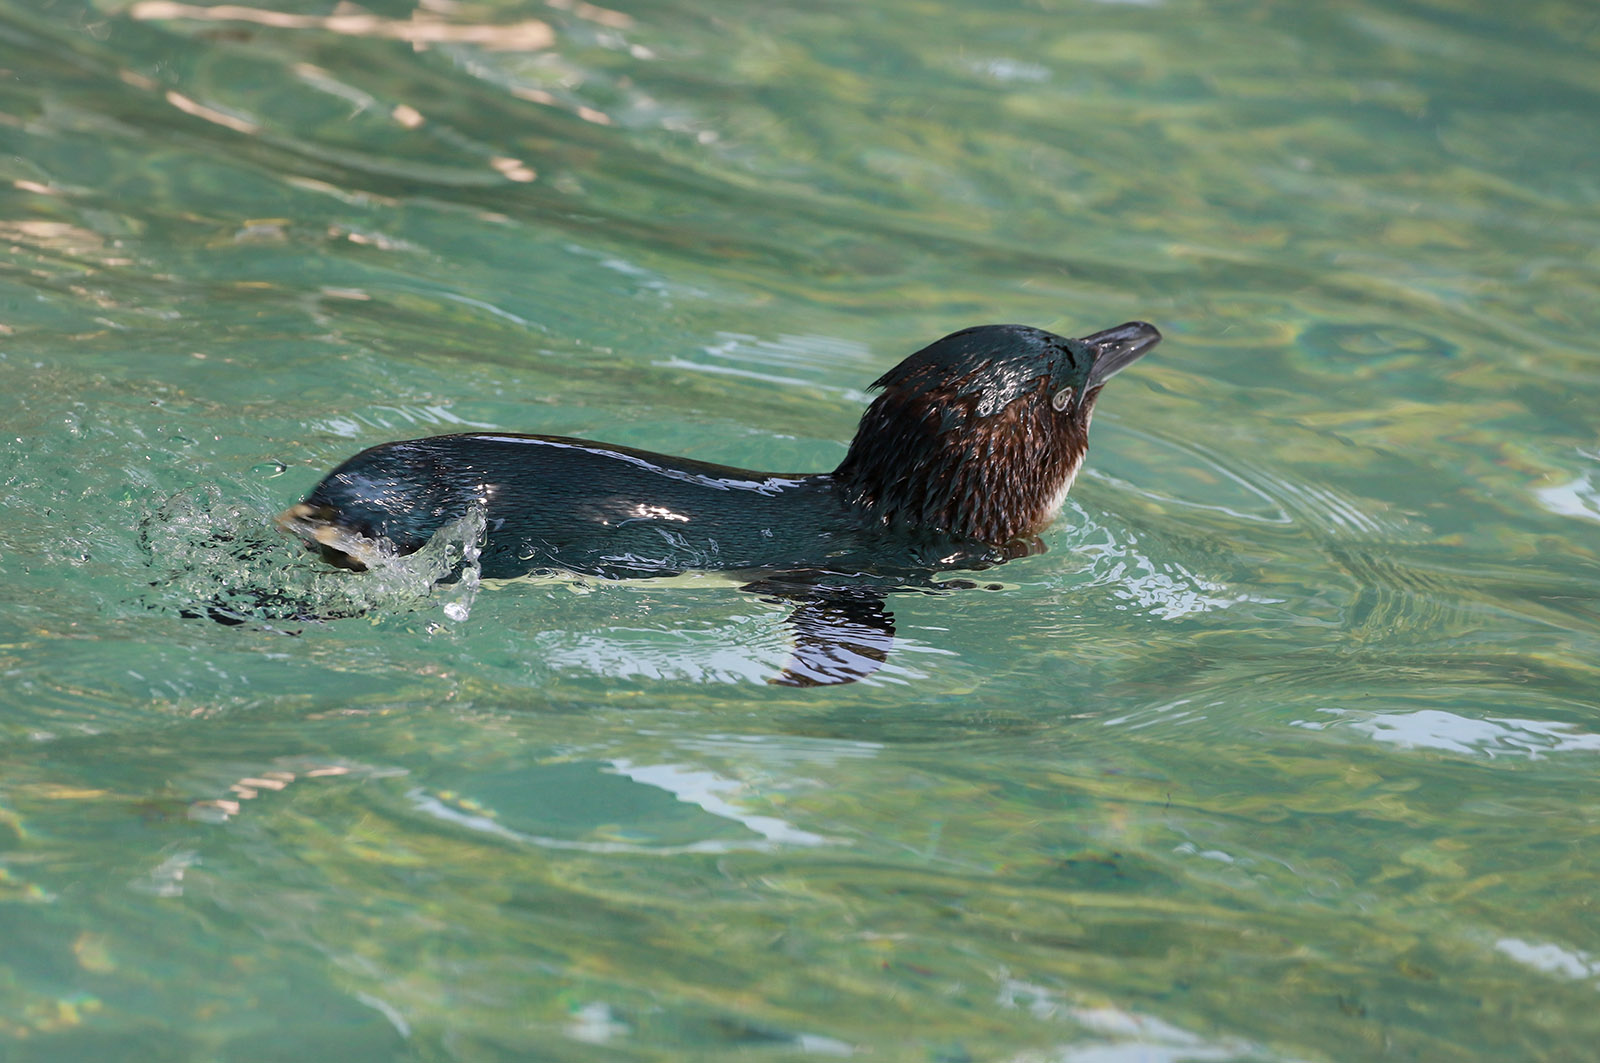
[(1283, 751)]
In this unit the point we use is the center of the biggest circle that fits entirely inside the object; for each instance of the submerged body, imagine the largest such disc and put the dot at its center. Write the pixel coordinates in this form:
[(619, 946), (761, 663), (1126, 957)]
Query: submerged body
[(966, 456)]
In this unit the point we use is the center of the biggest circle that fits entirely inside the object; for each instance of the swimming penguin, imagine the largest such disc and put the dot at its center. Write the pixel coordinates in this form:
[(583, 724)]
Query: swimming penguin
[(965, 456)]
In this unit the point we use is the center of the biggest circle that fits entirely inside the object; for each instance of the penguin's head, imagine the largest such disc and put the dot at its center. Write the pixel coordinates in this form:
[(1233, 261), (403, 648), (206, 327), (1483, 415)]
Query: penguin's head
[(981, 433)]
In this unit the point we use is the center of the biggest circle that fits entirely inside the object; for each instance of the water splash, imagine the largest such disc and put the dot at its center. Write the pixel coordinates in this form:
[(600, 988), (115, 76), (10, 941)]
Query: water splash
[(225, 560)]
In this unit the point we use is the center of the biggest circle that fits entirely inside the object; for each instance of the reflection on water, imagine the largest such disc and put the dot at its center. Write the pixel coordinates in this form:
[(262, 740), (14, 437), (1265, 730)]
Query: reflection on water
[(1278, 752), (709, 791), (1579, 497), (1552, 959), (1436, 729)]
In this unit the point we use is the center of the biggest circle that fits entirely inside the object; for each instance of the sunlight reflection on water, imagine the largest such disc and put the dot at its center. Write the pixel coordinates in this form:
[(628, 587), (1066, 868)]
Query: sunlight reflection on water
[(1488, 736)]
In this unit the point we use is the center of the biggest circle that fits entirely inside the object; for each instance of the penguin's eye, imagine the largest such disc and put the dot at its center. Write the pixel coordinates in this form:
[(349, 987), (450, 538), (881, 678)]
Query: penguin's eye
[(1061, 399)]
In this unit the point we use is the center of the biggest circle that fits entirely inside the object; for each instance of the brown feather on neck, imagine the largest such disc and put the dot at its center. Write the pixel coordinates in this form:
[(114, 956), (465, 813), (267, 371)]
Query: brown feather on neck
[(924, 459)]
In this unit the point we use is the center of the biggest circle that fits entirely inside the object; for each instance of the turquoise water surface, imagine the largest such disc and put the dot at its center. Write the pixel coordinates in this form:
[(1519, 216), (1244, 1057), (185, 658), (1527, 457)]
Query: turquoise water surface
[(1283, 751)]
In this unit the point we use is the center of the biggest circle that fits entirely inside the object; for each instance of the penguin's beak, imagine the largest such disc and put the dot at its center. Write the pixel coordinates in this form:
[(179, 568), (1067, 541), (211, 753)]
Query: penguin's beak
[(1117, 348)]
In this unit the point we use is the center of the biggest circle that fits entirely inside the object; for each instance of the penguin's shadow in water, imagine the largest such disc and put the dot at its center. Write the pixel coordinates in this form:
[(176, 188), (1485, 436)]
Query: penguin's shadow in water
[(839, 633)]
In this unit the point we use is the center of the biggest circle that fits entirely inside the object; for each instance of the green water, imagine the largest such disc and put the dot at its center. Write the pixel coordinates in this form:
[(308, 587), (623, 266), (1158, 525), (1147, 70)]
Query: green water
[(1283, 751)]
